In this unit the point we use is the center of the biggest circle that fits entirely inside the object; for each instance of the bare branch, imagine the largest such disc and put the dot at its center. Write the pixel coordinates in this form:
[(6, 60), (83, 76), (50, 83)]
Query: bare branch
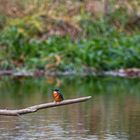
[(35, 108)]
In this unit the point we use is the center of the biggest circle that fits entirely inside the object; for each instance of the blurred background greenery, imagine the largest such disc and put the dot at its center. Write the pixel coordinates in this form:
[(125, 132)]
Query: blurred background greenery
[(69, 35)]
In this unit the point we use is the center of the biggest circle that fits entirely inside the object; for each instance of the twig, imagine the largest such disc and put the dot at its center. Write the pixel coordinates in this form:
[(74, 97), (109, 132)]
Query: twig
[(35, 108)]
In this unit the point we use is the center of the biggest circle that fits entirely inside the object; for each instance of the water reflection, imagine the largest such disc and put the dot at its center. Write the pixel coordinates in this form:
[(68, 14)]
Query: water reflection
[(112, 113)]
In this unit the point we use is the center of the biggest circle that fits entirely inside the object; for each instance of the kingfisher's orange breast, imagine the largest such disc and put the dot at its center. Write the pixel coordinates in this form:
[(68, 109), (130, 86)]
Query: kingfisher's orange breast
[(57, 97)]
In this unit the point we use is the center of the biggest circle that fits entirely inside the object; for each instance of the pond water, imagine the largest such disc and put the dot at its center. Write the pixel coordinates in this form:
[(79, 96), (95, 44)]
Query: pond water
[(113, 113)]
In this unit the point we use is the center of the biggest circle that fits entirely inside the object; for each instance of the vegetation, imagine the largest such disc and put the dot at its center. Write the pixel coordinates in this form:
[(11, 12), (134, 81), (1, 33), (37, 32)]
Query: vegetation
[(61, 41)]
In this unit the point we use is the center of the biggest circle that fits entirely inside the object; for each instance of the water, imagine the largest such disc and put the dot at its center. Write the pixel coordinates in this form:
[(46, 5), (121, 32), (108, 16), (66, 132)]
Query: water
[(113, 113)]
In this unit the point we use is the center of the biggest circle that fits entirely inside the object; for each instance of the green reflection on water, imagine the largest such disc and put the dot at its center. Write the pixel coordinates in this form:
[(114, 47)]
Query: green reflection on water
[(113, 112)]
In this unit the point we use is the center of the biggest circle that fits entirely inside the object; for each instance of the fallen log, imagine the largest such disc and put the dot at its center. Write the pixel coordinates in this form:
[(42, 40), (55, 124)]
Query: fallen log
[(35, 108)]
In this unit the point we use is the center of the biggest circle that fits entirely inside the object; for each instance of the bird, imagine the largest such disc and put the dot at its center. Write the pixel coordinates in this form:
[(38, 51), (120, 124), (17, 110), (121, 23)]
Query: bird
[(57, 95)]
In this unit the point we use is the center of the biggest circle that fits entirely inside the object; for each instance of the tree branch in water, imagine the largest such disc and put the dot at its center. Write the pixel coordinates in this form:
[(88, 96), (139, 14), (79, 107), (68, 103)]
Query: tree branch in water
[(35, 108)]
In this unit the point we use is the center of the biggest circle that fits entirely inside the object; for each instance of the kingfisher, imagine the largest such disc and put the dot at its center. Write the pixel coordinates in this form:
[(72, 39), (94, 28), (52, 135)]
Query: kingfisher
[(57, 95)]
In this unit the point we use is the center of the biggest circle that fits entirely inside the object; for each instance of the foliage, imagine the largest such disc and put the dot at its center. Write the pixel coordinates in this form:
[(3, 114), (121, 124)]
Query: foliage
[(43, 42)]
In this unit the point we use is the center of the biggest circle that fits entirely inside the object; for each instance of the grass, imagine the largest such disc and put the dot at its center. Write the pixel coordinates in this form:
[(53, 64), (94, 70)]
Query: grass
[(41, 42)]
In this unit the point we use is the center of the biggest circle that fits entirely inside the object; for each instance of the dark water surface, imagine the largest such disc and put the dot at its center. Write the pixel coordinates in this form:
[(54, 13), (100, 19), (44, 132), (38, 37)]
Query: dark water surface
[(113, 113)]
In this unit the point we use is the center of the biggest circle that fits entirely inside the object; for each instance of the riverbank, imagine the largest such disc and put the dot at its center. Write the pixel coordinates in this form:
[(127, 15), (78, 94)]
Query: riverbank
[(47, 42), (127, 73)]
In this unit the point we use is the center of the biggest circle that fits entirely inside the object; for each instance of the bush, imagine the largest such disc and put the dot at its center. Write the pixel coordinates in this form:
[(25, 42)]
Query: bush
[(101, 45)]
